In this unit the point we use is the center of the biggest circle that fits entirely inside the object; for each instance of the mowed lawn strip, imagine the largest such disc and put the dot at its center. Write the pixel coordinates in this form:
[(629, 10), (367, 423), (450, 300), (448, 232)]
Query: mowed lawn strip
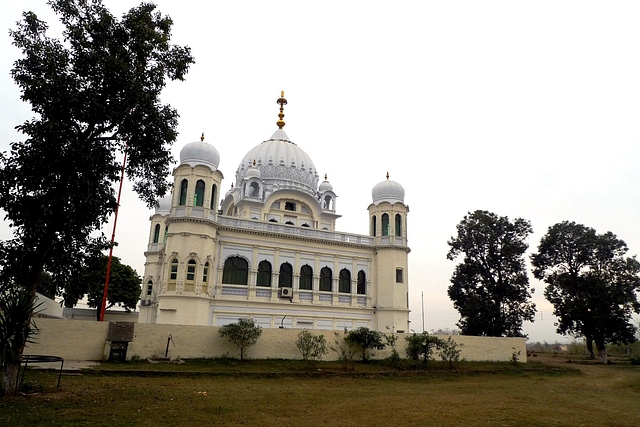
[(597, 395)]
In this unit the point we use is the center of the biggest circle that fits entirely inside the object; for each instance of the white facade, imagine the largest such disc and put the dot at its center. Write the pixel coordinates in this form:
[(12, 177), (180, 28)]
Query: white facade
[(271, 252)]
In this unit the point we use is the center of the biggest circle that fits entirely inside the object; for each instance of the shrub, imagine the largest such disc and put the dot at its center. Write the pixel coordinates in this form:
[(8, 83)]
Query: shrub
[(365, 340), (577, 347), (421, 346), (391, 340), (17, 307), (312, 347), (244, 333), (449, 351), (515, 356), (343, 348)]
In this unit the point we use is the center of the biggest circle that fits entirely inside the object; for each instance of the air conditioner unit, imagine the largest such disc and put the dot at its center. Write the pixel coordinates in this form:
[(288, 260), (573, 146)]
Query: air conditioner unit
[(286, 292), (145, 302)]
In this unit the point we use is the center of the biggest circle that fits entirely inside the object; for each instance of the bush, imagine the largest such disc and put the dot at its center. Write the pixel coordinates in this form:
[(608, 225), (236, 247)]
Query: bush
[(421, 346), (391, 340), (312, 347), (577, 347), (449, 351), (343, 348), (243, 334), (365, 340)]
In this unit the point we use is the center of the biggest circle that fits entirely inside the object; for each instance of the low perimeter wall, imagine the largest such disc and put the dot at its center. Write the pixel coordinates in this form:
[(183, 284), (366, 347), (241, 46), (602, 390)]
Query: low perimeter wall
[(87, 340)]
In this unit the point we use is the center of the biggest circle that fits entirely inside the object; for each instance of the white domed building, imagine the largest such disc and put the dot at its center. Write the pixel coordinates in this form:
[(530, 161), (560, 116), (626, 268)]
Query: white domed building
[(269, 248)]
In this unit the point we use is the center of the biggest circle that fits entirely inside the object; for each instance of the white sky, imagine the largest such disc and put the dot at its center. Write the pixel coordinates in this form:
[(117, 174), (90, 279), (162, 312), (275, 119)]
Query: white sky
[(525, 109)]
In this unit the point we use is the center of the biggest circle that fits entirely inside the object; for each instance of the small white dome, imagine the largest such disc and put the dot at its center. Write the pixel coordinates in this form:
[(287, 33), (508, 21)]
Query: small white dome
[(387, 191), (200, 153), (325, 186), (252, 172), (164, 205)]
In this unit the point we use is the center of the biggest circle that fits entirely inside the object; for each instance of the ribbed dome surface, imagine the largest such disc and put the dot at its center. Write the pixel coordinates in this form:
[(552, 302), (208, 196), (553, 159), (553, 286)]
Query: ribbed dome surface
[(281, 163), (325, 186), (164, 205), (387, 191), (200, 153)]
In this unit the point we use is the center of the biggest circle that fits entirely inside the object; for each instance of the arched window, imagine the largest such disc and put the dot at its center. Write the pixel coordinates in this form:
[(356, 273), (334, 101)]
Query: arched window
[(198, 196), (344, 283), (156, 233), (205, 278), (362, 283), (326, 277), (254, 189), (264, 274), (273, 220), (373, 226), (385, 224), (184, 185), (328, 203), (166, 231), (398, 225), (306, 278), (149, 288), (286, 276), (235, 271), (173, 275), (290, 206), (289, 223), (190, 281), (213, 197)]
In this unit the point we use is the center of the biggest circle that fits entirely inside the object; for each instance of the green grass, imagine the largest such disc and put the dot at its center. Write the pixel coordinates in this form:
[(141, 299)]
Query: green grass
[(552, 393)]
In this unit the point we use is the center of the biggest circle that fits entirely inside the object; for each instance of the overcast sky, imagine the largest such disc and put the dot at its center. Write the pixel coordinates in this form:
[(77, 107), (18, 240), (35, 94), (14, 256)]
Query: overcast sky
[(524, 109)]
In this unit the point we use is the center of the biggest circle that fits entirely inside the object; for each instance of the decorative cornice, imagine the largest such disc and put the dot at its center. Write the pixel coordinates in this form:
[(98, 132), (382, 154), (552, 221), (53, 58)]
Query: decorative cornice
[(295, 237), (402, 248)]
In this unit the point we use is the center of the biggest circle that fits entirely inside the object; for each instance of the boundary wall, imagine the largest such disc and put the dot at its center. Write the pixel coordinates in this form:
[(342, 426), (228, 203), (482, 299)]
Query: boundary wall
[(87, 340)]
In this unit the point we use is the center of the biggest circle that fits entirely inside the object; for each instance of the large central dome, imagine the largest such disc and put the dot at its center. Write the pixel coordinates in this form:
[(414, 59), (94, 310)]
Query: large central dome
[(282, 164)]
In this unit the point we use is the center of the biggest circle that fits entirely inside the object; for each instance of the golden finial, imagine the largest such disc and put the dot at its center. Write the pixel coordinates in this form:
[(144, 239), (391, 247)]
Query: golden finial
[(282, 103), (202, 137), (254, 162), (325, 176), (387, 175)]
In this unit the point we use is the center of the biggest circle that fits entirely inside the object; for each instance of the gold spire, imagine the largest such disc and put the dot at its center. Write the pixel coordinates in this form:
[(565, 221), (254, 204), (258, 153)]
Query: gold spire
[(387, 175), (325, 176), (202, 137), (282, 103)]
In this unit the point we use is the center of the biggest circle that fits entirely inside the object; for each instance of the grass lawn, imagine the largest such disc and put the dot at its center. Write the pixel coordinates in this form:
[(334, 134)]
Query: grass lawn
[(547, 392)]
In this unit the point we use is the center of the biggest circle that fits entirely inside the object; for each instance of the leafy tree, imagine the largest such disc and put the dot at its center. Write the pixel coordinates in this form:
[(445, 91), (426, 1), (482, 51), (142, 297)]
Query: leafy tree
[(244, 333), (365, 340), (422, 346), (490, 288), (46, 285), (124, 285), (590, 282), (95, 93), (312, 347)]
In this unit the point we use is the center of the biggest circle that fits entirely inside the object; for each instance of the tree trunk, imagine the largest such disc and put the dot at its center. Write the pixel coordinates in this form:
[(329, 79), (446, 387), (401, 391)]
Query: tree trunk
[(602, 351), (589, 341), (9, 379)]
